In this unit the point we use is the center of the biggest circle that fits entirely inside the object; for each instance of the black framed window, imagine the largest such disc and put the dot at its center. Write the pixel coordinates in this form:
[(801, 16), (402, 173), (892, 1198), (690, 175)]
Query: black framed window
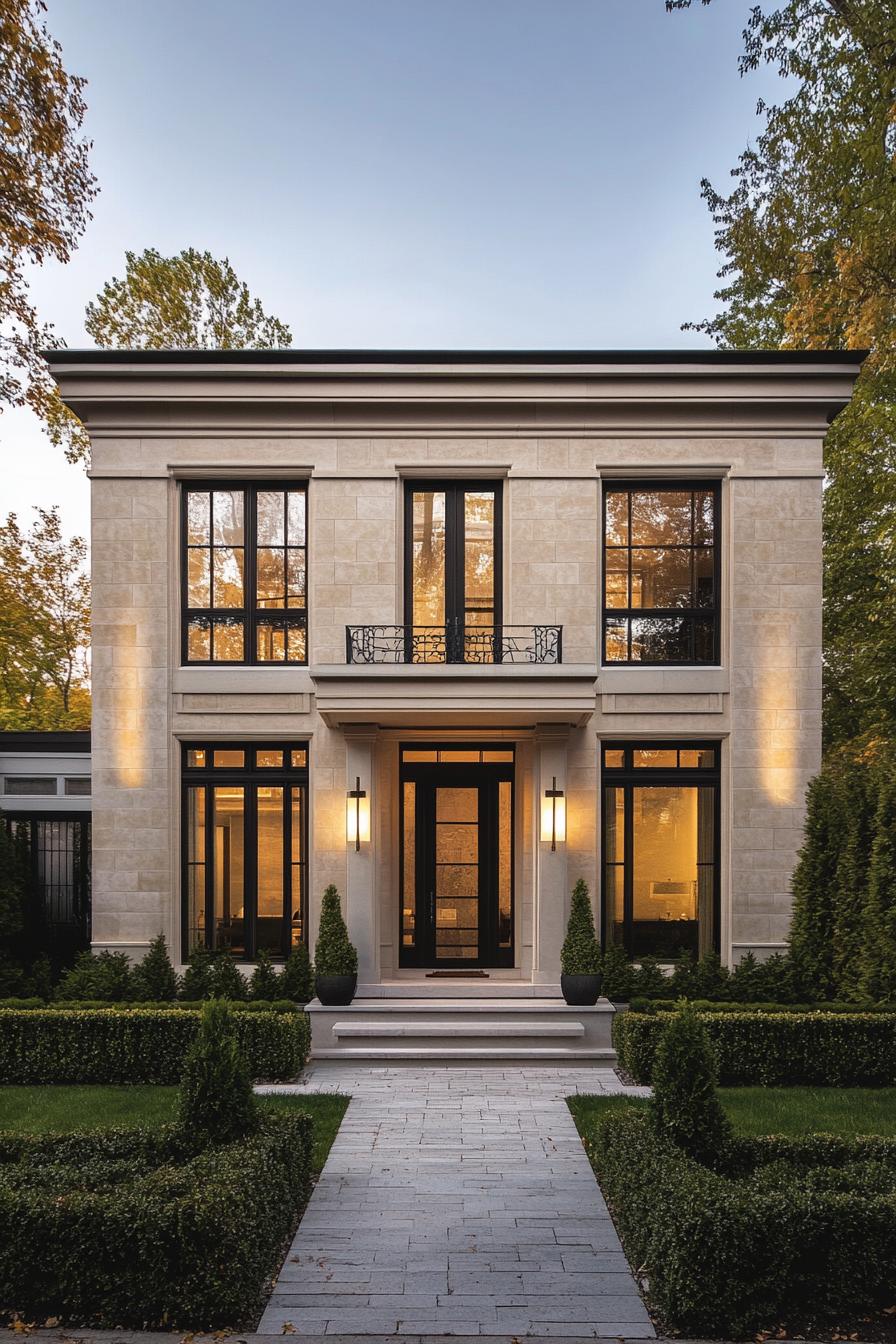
[(245, 846), (244, 569), (452, 570), (660, 847), (661, 573)]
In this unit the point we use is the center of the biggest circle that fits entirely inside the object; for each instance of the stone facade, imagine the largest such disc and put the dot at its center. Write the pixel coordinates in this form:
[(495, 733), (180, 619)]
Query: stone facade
[(553, 430)]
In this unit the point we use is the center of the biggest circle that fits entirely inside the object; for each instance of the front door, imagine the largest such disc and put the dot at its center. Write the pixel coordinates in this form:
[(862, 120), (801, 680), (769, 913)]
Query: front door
[(457, 865)]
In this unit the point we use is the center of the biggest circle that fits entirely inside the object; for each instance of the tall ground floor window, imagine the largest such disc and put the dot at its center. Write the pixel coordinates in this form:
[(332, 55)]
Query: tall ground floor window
[(245, 846), (661, 847)]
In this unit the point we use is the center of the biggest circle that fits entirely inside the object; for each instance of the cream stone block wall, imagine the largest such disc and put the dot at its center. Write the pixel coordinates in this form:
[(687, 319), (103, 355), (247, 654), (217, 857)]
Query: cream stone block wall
[(762, 703), (132, 868)]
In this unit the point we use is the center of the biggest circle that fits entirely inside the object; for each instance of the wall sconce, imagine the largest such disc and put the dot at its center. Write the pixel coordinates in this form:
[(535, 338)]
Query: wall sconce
[(357, 815), (553, 814)]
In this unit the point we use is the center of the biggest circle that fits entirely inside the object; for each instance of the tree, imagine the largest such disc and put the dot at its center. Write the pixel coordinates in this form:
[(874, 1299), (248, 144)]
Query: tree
[(806, 235), (190, 301), (814, 880), (685, 1108), (154, 979), (44, 626), (878, 955), (215, 1099), (46, 187)]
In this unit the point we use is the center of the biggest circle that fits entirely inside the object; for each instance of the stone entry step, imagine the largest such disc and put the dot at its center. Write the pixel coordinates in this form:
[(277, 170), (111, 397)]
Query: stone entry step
[(449, 1029)]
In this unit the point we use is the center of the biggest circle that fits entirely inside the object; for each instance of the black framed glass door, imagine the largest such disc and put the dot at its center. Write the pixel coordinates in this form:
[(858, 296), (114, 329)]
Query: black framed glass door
[(457, 862), (452, 571)]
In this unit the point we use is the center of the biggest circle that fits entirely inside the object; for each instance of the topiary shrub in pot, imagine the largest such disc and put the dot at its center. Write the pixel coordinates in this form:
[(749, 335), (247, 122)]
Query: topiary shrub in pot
[(335, 958), (580, 977)]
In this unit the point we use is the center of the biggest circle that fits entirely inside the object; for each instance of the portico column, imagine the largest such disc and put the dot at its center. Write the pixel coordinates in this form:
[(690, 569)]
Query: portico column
[(360, 896), (551, 899)]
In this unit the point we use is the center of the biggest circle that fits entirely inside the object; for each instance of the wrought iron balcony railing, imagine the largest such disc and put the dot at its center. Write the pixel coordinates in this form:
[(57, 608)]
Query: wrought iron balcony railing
[(454, 643)]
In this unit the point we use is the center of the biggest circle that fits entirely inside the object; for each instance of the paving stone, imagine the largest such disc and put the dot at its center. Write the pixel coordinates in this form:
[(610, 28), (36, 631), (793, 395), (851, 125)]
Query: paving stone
[(456, 1201)]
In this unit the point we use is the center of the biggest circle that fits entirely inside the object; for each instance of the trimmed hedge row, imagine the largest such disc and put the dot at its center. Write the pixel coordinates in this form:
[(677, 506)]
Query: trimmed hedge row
[(188, 1005), (795, 1229), (828, 1049), (130, 1228), (121, 1045), (718, 1006)]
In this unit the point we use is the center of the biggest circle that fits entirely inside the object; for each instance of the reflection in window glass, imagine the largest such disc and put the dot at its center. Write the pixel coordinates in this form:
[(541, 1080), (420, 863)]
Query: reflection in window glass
[(269, 759), (195, 822), (225, 758), (195, 757), (428, 558), (299, 758), (659, 564), (220, 525), (658, 757), (614, 758), (614, 869)]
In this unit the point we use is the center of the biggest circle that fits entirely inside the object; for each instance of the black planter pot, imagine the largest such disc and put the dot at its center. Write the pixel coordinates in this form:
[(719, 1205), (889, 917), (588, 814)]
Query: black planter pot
[(335, 990), (581, 991)]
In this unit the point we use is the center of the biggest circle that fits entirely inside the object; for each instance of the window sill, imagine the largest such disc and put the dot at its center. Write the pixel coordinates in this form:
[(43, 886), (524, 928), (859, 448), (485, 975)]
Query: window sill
[(633, 679), (247, 680)]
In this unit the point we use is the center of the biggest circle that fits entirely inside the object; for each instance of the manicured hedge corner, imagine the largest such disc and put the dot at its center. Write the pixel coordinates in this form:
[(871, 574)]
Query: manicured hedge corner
[(827, 1049), (125, 1045), (789, 1230), (130, 1228)]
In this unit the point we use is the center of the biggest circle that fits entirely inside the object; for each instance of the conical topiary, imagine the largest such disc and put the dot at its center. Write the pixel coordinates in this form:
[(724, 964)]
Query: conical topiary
[(618, 973), (153, 978), (226, 980), (297, 980), (580, 953), (197, 980), (648, 981), (215, 1102), (334, 953), (265, 982), (685, 1108)]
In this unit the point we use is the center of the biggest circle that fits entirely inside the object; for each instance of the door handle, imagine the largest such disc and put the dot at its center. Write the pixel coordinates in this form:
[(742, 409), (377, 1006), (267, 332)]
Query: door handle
[(432, 907)]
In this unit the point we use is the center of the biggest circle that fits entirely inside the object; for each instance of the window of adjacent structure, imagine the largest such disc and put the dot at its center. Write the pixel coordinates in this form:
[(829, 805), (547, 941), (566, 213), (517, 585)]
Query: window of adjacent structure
[(30, 786), (660, 848), (245, 847), (452, 570), (244, 574), (661, 573)]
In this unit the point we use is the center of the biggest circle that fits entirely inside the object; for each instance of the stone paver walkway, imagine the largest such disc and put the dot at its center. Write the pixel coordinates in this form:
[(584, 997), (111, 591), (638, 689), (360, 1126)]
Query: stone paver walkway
[(457, 1201)]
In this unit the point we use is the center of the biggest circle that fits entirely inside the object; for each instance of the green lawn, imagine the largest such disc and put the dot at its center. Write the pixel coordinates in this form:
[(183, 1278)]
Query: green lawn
[(56, 1110), (785, 1110)]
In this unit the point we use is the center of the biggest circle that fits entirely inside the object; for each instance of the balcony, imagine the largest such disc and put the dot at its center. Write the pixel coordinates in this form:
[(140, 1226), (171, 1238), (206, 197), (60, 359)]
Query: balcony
[(454, 643)]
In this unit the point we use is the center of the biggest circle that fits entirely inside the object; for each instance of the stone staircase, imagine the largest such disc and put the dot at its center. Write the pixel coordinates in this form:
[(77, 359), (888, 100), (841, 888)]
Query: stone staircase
[(448, 1028)]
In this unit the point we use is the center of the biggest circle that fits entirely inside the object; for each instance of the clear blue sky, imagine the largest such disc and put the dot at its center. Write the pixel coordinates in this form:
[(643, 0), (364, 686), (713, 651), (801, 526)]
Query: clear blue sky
[(405, 172)]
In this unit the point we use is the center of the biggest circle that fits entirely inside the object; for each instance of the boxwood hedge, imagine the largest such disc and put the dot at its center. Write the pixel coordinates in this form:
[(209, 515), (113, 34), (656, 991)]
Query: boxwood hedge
[(128, 1045), (134, 1228), (794, 1230), (826, 1049)]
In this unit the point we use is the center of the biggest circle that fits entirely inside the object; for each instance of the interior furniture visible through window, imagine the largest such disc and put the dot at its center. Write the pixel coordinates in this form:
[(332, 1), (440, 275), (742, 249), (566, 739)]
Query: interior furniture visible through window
[(244, 580), (456, 879), (661, 573), (245, 844), (452, 570), (660, 847)]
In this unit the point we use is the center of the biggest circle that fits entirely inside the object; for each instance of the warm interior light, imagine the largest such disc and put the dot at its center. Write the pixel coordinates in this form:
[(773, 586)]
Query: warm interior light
[(357, 816), (553, 815)]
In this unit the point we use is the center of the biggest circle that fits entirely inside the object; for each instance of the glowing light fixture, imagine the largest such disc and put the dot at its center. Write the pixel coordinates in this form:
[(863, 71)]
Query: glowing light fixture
[(357, 815), (553, 814)]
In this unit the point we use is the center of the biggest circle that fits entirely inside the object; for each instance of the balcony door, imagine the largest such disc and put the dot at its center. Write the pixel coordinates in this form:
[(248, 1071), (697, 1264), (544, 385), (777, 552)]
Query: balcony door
[(452, 571), (457, 858)]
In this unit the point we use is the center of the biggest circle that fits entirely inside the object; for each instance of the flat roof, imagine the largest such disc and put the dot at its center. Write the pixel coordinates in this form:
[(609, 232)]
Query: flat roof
[(472, 356), (75, 740)]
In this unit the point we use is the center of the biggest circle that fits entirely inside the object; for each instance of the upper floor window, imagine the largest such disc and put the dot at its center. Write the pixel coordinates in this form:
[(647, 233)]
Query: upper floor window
[(452, 571), (244, 574), (661, 573)]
